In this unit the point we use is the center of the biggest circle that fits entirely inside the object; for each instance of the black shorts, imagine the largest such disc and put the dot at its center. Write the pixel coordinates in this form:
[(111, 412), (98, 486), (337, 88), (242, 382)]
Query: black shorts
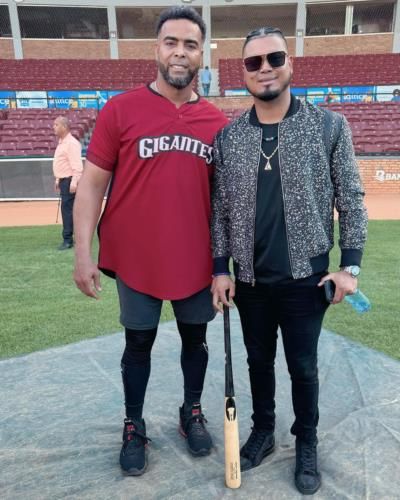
[(142, 312)]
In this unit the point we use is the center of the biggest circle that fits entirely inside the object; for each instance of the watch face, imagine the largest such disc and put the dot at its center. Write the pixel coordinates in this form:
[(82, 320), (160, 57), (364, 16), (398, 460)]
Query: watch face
[(354, 270)]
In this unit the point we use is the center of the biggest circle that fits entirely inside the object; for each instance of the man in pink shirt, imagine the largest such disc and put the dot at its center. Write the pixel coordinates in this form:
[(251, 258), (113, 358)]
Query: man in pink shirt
[(67, 169)]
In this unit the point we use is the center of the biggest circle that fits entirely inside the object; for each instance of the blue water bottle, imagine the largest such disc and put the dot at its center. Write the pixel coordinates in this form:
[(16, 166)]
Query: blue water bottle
[(358, 301)]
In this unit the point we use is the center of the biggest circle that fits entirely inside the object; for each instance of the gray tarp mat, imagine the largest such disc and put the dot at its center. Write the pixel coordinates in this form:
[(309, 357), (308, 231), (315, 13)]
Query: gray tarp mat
[(61, 414)]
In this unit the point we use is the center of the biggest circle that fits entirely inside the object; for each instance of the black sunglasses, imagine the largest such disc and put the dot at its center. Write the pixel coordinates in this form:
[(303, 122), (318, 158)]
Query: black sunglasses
[(275, 60)]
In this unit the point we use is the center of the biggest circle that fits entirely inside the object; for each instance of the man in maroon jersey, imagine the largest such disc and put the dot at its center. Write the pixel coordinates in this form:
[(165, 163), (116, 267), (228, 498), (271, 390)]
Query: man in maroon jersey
[(154, 144)]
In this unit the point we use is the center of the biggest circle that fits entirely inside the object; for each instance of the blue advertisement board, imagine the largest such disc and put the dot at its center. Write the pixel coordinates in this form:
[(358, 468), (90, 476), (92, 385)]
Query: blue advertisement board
[(236, 92), (387, 93), (7, 99), (31, 99), (71, 99), (96, 99), (359, 94), (318, 95), (299, 93)]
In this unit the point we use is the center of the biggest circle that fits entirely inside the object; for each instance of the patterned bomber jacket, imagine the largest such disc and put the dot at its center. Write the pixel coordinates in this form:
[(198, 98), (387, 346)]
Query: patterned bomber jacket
[(315, 177)]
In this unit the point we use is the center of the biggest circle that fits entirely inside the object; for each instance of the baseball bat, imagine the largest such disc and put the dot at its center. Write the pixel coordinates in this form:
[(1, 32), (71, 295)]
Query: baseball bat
[(231, 426)]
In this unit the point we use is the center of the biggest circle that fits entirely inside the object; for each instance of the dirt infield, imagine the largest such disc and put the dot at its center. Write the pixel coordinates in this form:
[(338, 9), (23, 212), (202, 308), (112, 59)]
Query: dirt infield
[(35, 213)]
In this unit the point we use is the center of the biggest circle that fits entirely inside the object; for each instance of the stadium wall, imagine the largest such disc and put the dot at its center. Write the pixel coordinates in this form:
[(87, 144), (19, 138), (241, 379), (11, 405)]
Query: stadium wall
[(232, 102), (380, 175), (66, 49), (354, 44), (226, 48), (6, 48), (136, 49), (33, 178), (26, 178)]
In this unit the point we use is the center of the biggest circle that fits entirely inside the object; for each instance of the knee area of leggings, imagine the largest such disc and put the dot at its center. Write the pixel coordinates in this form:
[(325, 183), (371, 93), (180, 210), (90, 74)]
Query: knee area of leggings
[(193, 336), (134, 358), (139, 340), (190, 349)]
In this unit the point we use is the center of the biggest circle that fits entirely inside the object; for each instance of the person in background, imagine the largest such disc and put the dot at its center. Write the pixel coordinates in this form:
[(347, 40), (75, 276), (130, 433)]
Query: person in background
[(205, 78), (67, 170), (154, 144), (369, 97), (396, 95), (331, 97)]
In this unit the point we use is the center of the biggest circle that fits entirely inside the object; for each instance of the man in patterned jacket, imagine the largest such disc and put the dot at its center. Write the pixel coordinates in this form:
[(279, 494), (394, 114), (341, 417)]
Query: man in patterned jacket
[(280, 169)]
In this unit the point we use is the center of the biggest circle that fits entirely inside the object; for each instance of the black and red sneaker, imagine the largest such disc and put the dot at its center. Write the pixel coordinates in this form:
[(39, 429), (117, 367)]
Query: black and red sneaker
[(133, 456), (192, 427)]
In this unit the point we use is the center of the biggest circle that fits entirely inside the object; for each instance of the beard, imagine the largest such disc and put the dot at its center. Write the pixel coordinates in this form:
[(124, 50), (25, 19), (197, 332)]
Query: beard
[(270, 95), (179, 82)]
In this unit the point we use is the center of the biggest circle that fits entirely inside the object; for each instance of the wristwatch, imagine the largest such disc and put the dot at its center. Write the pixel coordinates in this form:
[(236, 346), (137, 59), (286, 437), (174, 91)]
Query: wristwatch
[(354, 271)]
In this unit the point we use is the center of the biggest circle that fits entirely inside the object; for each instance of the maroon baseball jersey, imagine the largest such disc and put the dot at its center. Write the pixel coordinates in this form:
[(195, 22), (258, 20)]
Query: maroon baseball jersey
[(154, 233)]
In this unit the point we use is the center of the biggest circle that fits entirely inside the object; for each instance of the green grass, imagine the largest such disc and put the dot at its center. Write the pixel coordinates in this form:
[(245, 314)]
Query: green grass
[(41, 307), (380, 281)]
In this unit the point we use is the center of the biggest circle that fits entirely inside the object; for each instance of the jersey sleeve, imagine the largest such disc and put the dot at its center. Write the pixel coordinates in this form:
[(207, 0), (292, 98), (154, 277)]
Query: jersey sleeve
[(105, 142)]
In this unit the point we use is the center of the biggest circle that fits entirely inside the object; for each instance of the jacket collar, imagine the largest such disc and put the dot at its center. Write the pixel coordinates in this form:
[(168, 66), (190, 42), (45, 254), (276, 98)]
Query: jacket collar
[(293, 109)]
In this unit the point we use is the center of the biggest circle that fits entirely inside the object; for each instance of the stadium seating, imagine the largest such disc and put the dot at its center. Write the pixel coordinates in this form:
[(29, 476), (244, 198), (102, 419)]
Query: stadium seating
[(323, 71), (30, 132), (123, 74), (375, 126), (68, 74)]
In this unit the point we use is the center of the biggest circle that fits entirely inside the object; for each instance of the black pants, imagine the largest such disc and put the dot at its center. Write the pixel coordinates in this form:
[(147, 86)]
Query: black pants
[(298, 311), (67, 205)]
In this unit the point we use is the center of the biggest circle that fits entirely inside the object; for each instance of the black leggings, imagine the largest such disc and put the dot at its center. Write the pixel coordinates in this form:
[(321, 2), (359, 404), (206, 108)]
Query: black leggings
[(136, 364)]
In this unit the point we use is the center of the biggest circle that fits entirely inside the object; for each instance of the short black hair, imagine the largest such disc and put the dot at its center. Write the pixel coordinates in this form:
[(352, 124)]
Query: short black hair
[(181, 12), (262, 33)]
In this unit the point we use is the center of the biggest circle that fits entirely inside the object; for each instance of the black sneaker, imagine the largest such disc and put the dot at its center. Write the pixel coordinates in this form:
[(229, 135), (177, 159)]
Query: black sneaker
[(192, 427), (66, 245), (133, 456), (259, 445), (306, 477)]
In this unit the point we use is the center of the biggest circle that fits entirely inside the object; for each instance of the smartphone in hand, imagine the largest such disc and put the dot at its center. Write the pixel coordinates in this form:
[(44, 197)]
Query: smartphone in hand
[(329, 287)]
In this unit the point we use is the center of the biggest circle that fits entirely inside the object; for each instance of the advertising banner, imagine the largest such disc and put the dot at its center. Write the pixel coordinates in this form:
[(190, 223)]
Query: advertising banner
[(318, 95), (92, 99), (7, 99), (71, 99), (63, 99), (236, 92), (299, 93), (359, 94), (31, 99), (385, 93)]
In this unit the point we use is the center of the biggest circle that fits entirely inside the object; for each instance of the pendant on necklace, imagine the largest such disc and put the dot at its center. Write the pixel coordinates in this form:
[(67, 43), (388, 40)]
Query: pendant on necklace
[(268, 166)]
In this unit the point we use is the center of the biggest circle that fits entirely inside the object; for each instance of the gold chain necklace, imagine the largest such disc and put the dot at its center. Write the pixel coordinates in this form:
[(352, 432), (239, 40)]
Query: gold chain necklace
[(268, 158)]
